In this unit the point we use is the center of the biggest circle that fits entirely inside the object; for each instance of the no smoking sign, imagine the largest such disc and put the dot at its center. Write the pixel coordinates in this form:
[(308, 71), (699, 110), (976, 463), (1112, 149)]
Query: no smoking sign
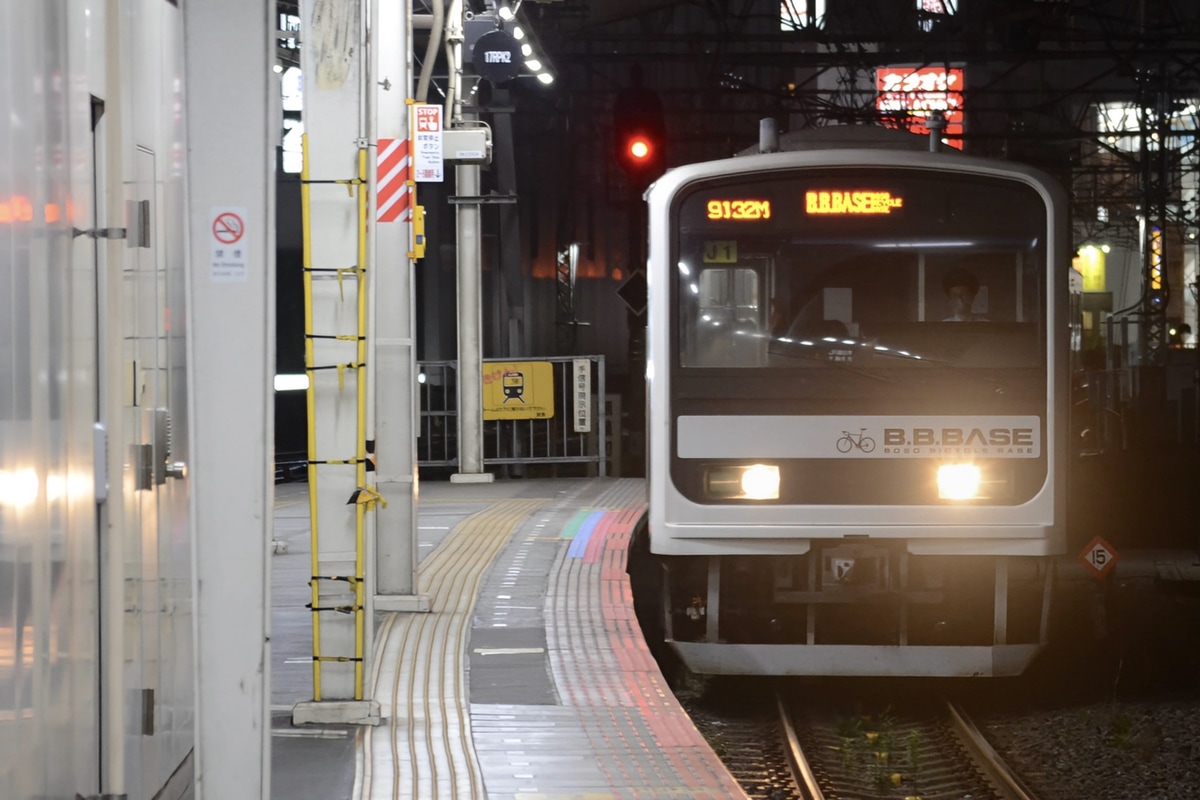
[(228, 227), (1099, 556), (227, 250)]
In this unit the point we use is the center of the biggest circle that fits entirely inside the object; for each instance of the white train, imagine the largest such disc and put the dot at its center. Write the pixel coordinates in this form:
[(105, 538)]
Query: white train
[(857, 410), (96, 665)]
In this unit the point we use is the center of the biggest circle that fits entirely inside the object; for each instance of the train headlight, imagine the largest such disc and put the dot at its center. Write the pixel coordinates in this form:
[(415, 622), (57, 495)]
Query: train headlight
[(958, 481), (761, 482), (753, 482)]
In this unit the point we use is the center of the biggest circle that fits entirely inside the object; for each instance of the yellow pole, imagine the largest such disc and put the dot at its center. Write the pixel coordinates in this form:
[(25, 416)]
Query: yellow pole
[(360, 508), (306, 226)]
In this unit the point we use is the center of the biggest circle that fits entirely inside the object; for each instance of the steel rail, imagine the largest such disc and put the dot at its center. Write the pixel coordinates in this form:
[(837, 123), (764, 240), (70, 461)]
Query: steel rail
[(986, 757), (802, 772)]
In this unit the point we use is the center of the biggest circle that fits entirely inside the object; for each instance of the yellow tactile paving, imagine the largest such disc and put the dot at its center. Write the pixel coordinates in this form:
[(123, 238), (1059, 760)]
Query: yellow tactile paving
[(424, 750)]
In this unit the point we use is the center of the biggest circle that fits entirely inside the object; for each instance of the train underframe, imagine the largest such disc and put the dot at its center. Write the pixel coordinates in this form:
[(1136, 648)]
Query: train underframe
[(857, 609)]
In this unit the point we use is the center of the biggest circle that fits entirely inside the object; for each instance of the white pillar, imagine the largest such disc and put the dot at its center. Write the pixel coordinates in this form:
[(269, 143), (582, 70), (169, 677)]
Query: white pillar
[(395, 362), (232, 124), (469, 254), (470, 322), (1190, 191)]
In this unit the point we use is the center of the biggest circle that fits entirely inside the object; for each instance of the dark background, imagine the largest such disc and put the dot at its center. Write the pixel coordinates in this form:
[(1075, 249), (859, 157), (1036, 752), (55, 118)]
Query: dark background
[(1034, 74)]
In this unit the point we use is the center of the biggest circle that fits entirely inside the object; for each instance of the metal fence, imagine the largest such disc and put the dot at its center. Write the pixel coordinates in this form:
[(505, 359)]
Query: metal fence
[(1136, 399), (576, 438)]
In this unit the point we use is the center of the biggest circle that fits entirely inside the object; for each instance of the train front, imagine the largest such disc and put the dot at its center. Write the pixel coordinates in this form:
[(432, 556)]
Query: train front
[(857, 426)]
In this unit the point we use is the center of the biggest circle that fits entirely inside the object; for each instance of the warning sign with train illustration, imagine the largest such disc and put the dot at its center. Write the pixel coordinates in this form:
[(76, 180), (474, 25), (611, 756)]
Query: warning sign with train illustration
[(518, 390)]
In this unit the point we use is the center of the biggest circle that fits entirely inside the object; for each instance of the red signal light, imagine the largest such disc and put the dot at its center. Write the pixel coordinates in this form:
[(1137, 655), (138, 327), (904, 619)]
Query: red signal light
[(640, 149), (640, 153)]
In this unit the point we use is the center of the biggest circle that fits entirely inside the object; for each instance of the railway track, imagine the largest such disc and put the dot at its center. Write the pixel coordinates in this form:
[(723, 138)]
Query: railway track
[(817, 748), (752, 748), (1088, 723), (932, 753)]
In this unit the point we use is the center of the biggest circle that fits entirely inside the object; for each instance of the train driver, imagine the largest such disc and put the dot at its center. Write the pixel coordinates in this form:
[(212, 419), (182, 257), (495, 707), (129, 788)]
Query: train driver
[(961, 287)]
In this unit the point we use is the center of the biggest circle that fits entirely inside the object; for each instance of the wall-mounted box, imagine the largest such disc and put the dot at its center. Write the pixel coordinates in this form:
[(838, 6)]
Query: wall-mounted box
[(467, 145)]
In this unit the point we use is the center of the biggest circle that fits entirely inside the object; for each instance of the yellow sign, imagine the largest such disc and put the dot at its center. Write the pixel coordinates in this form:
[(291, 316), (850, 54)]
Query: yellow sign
[(1156, 258), (1090, 263), (720, 252), (518, 390)]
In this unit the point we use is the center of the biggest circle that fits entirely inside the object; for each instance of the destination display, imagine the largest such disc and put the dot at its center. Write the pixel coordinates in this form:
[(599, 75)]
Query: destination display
[(740, 209), (851, 202), (816, 201)]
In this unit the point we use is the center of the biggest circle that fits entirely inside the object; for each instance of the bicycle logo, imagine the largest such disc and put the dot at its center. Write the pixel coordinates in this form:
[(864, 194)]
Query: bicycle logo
[(857, 441)]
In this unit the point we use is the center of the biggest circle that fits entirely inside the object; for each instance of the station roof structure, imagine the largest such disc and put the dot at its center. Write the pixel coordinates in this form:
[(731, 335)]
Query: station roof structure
[(1082, 88)]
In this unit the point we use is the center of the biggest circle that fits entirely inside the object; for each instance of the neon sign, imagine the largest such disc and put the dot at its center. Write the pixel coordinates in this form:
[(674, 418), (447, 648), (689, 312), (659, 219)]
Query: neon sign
[(853, 202), (907, 95)]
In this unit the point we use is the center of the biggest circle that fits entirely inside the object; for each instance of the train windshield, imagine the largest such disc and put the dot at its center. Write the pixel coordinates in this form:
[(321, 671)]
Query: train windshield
[(881, 271)]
